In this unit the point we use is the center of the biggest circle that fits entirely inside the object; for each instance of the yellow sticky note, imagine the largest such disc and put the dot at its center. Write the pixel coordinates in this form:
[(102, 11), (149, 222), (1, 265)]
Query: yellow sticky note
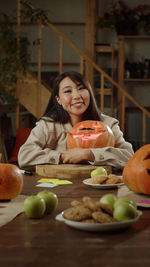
[(47, 180), (54, 181), (61, 182)]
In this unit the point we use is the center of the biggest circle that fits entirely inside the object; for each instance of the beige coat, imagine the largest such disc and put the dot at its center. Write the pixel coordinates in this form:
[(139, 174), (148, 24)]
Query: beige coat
[(48, 139)]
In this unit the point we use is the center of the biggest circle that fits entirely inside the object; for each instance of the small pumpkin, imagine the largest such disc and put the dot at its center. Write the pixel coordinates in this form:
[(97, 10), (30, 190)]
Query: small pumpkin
[(136, 173), (90, 134), (11, 181)]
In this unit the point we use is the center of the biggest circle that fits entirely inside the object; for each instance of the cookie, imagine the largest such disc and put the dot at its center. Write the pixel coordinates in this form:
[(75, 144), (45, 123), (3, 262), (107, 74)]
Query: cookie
[(113, 179), (98, 179), (106, 208), (77, 213), (102, 217), (75, 203), (91, 203)]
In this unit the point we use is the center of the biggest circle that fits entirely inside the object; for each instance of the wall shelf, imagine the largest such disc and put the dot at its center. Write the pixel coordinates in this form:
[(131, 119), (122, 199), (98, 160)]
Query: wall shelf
[(136, 83), (121, 59), (137, 80)]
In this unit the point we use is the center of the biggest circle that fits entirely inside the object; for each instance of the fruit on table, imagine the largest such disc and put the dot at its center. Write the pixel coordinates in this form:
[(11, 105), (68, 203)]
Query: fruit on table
[(108, 199), (124, 212), (124, 208), (34, 207), (136, 173), (50, 199), (124, 199), (11, 181), (89, 133), (98, 171)]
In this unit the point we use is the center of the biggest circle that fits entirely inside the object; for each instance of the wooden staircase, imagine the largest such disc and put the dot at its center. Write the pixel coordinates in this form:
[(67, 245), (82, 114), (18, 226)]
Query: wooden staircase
[(34, 96)]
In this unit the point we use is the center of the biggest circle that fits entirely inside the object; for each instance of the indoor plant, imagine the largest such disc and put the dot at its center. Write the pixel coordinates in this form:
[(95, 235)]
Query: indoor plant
[(14, 59), (125, 20), (14, 56)]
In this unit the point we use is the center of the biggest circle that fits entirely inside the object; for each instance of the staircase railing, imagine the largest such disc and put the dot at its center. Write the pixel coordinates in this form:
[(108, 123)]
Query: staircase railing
[(102, 75)]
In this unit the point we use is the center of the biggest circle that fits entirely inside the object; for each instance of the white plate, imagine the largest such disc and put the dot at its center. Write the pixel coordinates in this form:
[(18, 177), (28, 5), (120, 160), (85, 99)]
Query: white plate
[(144, 203), (100, 227), (102, 186)]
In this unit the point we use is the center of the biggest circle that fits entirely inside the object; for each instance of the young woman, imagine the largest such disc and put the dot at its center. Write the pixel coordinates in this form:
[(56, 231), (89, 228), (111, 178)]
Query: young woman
[(72, 101)]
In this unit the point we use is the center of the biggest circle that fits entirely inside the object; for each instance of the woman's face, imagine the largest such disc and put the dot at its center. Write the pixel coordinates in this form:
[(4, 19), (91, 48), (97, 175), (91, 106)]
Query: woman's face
[(74, 98)]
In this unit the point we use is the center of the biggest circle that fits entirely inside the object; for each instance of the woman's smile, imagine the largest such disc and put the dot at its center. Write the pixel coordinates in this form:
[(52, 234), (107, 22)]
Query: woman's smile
[(78, 104)]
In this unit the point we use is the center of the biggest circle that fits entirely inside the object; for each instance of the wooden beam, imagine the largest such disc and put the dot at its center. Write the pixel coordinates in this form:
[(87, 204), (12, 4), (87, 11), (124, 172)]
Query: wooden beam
[(18, 44), (90, 37), (60, 54), (3, 153), (38, 99), (120, 102)]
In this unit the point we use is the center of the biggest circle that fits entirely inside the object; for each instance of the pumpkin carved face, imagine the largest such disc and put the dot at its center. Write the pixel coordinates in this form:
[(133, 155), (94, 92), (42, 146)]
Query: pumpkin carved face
[(90, 134), (136, 173)]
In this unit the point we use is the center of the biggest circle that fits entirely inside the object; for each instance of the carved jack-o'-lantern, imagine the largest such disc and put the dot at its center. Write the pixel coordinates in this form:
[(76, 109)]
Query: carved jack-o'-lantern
[(136, 173), (90, 134)]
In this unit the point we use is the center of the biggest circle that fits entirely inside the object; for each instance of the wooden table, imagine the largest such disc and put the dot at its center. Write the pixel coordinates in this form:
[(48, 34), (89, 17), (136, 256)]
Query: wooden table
[(47, 242)]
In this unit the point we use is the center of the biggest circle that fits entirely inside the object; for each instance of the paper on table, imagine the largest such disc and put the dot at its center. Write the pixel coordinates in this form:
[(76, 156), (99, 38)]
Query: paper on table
[(10, 209), (54, 181), (46, 185), (62, 182), (47, 180), (141, 199)]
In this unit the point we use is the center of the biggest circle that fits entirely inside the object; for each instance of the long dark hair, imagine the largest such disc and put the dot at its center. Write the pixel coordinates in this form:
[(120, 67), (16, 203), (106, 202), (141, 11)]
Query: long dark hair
[(56, 111)]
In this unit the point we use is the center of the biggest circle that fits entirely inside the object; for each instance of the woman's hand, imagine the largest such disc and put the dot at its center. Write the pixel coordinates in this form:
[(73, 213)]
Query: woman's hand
[(76, 155)]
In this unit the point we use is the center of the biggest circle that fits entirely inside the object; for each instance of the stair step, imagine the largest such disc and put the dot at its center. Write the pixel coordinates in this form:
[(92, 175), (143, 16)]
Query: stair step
[(107, 91), (30, 81)]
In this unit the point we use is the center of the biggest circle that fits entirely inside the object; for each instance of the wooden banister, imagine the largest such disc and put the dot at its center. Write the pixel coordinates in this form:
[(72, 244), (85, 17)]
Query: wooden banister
[(18, 80), (102, 92), (38, 103), (144, 128), (81, 64), (60, 54)]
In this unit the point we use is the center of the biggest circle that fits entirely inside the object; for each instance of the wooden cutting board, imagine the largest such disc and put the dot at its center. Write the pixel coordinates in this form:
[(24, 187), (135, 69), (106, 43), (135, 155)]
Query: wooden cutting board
[(68, 171)]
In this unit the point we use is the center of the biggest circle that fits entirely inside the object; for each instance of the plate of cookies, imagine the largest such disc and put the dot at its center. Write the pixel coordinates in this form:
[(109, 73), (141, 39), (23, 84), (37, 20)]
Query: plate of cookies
[(104, 181), (91, 215)]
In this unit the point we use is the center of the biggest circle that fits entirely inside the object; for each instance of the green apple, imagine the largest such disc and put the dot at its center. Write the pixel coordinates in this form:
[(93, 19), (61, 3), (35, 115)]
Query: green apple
[(124, 212), (34, 207), (50, 199), (108, 199), (98, 171), (124, 199)]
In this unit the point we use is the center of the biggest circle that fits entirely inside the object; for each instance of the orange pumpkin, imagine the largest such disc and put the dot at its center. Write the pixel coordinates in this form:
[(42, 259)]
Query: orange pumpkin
[(90, 134), (11, 181), (136, 173)]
